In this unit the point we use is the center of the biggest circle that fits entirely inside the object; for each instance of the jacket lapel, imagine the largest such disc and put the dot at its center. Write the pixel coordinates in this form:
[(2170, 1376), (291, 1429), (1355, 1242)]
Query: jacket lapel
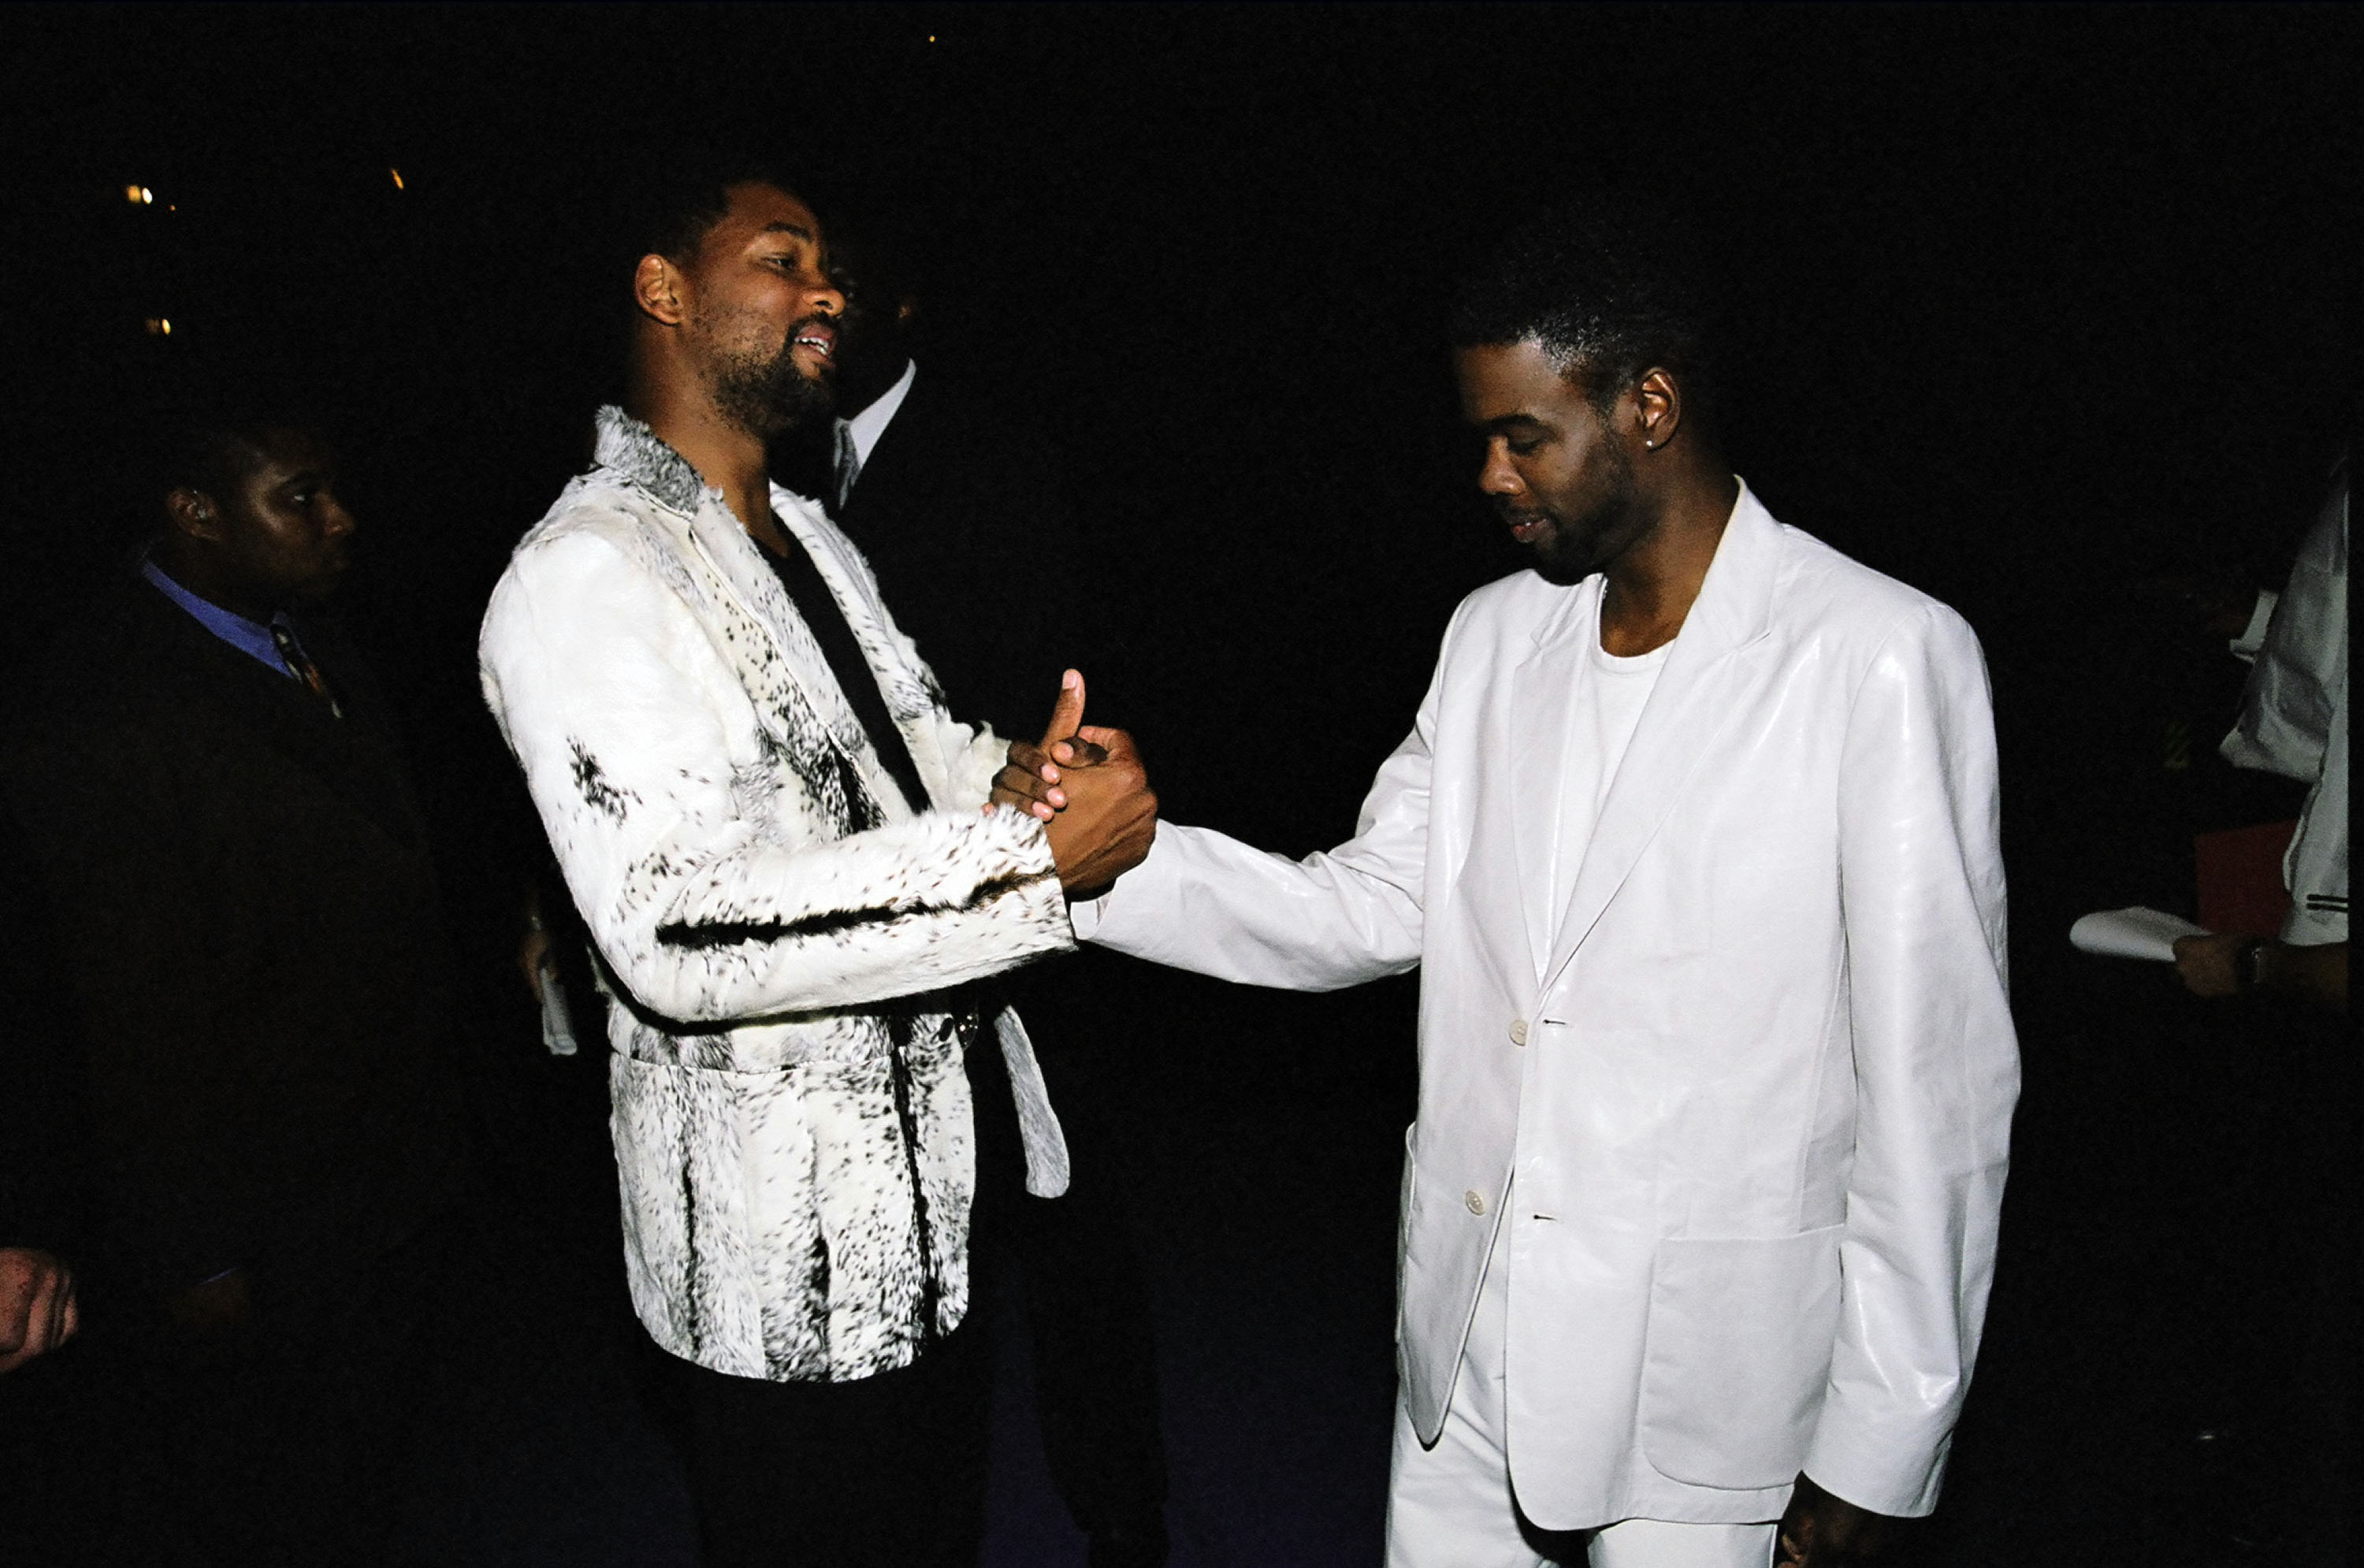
[(1691, 705), (708, 533), (1542, 686)]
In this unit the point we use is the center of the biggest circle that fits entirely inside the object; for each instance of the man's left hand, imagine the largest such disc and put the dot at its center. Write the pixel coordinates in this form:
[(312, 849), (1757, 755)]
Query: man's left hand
[(1030, 781), (1820, 1530)]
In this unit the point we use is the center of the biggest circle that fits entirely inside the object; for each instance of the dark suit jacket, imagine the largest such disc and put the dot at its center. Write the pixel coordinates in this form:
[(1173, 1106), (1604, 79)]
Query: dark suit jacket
[(44, 1132), (239, 897), (961, 509)]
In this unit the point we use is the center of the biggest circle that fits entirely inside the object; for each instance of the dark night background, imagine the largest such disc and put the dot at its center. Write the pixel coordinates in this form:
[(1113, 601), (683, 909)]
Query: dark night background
[(2028, 303)]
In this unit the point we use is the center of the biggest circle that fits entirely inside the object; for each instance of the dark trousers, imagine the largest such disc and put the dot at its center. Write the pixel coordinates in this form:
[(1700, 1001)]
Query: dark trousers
[(1087, 1305), (888, 1469), (891, 1469)]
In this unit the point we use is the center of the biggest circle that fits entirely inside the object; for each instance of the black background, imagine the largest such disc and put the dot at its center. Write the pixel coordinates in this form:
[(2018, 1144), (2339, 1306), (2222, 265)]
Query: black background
[(2030, 302)]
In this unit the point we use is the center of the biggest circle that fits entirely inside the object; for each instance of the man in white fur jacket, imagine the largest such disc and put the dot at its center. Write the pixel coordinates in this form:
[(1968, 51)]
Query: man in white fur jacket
[(781, 848)]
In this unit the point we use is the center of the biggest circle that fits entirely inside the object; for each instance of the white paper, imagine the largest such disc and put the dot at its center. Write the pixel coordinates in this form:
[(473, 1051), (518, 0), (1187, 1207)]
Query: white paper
[(2132, 933), (557, 1028)]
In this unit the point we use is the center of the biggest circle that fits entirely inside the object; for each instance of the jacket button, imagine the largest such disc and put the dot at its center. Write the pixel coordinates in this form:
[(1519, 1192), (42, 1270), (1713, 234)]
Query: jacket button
[(1518, 1031), (1476, 1200)]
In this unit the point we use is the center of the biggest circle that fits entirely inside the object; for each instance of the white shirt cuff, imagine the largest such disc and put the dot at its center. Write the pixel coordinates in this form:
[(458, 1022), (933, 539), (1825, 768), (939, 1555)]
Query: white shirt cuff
[(2253, 638)]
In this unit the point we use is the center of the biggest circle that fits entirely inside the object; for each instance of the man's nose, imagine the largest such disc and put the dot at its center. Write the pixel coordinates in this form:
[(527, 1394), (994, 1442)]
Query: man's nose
[(828, 300), (336, 519), (1496, 476)]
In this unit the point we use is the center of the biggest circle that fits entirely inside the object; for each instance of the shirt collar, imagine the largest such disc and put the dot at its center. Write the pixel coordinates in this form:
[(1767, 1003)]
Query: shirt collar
[(249, 637), (867, 427)]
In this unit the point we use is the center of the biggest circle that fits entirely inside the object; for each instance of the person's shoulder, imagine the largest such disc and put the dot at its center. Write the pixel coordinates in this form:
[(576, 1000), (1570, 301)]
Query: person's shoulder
[(605, 541), (1509, 611), (956, 424), (601, 523), (101, 629), (596, 504), (114, 658), (1523, 599), (1832, 592)]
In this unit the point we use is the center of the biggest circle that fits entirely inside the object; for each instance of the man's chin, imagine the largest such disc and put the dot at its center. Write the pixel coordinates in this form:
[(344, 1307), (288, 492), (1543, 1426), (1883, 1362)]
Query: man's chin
[(1557, 568), (777, 405), (813, 401)]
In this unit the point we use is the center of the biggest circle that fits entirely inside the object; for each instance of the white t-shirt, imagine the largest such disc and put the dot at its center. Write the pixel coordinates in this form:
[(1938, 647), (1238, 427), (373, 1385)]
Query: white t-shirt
[(1610, 694)]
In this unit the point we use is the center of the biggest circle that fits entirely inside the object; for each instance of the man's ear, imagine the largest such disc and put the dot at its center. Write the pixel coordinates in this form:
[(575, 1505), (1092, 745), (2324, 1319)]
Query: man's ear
[(657, 290), (193, 513), (1658, 408)]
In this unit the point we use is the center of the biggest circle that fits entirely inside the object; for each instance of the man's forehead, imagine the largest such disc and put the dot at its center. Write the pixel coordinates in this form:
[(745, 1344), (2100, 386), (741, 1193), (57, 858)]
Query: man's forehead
[(282, 452), (757, 208), (1506, 381)]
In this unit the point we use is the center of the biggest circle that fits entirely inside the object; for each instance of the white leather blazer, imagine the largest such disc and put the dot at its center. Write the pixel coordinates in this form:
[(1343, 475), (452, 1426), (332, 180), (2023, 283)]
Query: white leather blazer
[(1755, 1095)]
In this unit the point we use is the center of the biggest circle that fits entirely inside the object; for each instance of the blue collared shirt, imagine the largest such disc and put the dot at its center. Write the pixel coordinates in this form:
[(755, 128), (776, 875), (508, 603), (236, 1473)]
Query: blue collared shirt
[(249, 637)]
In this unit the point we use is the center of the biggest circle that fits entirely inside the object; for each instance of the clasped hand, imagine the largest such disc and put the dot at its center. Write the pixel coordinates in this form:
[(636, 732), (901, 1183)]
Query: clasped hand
[(39, 1310), (1088, 786)]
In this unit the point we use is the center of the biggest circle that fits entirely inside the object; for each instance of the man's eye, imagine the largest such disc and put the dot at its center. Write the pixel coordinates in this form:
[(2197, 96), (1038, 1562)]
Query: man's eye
[(1523, 446)]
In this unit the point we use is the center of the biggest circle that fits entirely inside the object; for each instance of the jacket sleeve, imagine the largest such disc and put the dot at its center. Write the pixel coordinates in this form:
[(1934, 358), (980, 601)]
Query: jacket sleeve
[(606, 687), (1937, 1062), (2301, 671), (1206, 902)]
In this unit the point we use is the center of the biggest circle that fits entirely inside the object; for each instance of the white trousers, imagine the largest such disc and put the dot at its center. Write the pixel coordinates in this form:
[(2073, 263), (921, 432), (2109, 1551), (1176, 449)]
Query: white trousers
[(1452, 1506)]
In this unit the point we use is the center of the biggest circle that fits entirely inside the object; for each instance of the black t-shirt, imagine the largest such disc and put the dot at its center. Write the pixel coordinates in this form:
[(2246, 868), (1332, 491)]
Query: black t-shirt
[(826, 622)]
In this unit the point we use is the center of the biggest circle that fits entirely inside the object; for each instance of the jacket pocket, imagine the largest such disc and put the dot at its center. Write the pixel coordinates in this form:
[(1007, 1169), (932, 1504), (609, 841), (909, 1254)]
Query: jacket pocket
[(1738, 1354)]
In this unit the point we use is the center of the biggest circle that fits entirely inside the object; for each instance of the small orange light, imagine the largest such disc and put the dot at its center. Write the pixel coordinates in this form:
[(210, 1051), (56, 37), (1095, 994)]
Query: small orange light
[(159, 327), (397, 177), (139, 196)]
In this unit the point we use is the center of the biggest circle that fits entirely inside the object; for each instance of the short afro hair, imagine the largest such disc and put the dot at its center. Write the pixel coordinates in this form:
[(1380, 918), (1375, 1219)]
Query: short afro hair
[(671, 202), (212, 430), (1609, 287)]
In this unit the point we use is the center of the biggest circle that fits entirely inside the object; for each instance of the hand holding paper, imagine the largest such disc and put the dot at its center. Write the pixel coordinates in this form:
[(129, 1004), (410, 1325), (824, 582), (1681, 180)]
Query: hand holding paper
[(2132, 933)]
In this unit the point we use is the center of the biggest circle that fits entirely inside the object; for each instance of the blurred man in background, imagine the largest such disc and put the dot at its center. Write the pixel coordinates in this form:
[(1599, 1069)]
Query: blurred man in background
[(2290, 1363), (224, 846), (2294, 723), (959, 501)]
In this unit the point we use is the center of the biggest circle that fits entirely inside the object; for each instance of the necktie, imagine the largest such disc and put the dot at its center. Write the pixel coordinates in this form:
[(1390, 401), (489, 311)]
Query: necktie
[(838, 646), (847, 464), (283, 638)]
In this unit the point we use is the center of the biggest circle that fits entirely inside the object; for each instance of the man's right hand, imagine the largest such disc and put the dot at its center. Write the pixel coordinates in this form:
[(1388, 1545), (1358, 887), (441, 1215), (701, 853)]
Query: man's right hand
[(38, 1310), (1087, 783)]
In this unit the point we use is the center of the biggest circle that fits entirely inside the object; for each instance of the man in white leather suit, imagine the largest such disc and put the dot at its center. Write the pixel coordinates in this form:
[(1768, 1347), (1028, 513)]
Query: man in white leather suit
[(1695, 842)]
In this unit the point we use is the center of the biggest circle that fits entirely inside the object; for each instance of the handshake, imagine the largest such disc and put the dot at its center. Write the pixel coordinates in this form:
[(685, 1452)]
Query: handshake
[(1088, 785)]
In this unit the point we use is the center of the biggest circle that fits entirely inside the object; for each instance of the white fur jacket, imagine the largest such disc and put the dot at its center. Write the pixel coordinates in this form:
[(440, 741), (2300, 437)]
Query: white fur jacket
[(782, 940)]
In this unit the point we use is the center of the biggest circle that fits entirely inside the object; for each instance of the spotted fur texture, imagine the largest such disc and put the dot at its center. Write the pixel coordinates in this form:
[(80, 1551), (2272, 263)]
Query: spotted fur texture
[(785, 944)]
